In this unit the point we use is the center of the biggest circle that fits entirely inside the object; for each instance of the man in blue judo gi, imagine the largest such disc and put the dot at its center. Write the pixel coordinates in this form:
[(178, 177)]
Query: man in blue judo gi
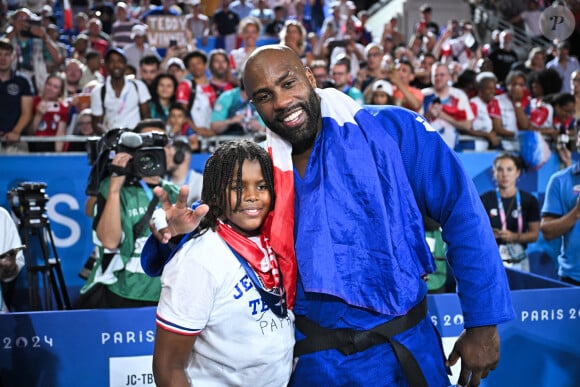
[(362, 183)]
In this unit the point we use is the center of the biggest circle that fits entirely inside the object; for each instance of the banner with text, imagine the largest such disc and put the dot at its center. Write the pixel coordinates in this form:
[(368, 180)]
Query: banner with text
[(164, 29), (114, 347)]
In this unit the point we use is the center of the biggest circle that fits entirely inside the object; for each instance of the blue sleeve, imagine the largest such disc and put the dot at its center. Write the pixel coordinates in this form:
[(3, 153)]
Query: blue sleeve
[(553, 203), (445, 192)]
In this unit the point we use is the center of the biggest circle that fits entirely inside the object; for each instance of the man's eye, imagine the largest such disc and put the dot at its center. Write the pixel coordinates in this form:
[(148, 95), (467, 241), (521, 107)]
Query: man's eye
[(289, 84), (261, 98)]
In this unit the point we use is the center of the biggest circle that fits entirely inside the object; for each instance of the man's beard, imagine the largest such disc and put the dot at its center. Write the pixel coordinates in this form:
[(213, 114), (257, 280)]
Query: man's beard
[(301, 138)]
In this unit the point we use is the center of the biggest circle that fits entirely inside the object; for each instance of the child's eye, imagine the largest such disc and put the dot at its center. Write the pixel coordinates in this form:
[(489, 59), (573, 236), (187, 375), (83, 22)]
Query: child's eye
[(237, 188), (263, 187)]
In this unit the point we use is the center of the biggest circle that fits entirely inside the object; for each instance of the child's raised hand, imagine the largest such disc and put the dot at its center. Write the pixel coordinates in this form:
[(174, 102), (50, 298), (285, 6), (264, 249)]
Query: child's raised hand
[(179, 218)]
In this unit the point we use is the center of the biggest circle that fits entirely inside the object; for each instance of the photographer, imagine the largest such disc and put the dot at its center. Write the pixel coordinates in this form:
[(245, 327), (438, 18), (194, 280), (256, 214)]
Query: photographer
[(121, 220), (32, 45), (11, 259)]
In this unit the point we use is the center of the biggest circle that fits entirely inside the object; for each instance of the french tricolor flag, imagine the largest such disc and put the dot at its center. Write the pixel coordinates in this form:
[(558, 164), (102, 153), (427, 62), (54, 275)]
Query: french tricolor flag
[(282, 223), (68, 20)]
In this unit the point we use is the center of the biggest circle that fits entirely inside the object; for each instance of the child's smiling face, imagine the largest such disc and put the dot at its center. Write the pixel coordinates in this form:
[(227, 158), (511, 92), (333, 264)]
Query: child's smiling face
[(255, 200)]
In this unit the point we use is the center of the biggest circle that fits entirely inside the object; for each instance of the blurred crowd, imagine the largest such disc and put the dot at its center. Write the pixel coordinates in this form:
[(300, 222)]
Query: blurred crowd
[(87, 73)]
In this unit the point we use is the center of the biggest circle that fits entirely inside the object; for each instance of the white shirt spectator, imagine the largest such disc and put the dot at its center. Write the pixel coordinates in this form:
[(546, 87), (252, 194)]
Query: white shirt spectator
[(122, 111)]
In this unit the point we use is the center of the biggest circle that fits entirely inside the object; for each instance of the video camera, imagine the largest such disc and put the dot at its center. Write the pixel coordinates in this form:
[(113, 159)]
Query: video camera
[(146, 149), (28, 202)]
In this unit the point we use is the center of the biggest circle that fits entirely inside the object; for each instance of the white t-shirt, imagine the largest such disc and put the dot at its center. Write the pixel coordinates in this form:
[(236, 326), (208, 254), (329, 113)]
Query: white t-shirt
[(122, 111), (206, 292), (201, 109), (9, 239), (502, 107), (481, 122)]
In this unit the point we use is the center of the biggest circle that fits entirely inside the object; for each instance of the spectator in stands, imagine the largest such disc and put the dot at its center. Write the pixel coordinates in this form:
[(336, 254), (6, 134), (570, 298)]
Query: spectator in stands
[(149, 68), (404, 94), (504, 57), (178, 124), (535, 62), (514, 214), (50, 114), (391, 30), (80, 23), (94, 63), (249, 31), (387, 44), (302, 16), (342, 78), (242, 8), (80, 47), (575, 88), (32, 46), (293, 35), (197, 25), (531, 19), (426, 19), (560, 214), (446, 107), (176, 68), (332, 25), (274, 27), (163, 90), (564, 64), (179, 169), (319, 68), (53, 65), (461, 48), (482, 126), (543, 83), (264, 13), (220, 73), (139, 48), (381, 93), (11, 261), (510, 111), (83, 127), (372, 71), (117, 279), (119, 102), (105, 11), (192, 96), (347, 48), (225, 24), (423, 72), (554, 118), (123, 26), (196, 64), (422, 40), (466, 82), (73, 71), (233, 114), (98, 40), (16, 93)]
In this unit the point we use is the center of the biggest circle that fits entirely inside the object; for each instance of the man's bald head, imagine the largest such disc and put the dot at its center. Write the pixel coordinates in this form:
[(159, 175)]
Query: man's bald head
[(271, 55)]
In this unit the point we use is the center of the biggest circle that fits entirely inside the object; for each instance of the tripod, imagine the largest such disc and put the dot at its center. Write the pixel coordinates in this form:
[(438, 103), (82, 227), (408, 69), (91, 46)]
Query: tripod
[(47, 268)]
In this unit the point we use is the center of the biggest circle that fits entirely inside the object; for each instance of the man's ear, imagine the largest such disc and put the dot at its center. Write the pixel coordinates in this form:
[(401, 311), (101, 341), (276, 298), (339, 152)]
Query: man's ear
[(310, 77)]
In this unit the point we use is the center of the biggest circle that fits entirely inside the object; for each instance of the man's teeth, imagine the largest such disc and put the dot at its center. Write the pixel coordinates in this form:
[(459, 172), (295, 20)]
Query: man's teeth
[(292, 116)]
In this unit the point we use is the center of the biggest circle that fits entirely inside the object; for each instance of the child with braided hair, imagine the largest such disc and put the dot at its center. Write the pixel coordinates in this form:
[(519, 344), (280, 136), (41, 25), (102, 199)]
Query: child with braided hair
[(222, 317)]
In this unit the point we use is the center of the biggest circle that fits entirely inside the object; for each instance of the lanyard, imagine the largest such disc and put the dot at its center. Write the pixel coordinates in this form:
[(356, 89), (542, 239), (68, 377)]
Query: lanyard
[(146, 188), (502, 214)]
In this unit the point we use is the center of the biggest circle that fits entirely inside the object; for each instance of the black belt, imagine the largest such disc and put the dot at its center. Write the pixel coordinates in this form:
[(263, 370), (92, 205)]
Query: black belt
[(349, 341)]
